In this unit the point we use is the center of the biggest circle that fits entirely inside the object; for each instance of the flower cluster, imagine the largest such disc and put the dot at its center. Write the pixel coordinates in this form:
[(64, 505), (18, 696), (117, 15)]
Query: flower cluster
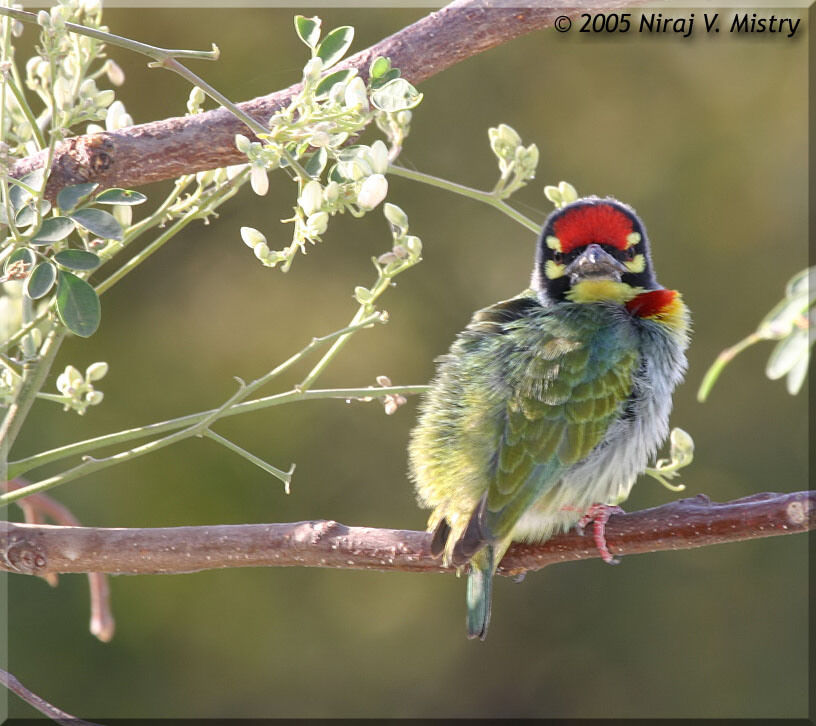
[(517, 163), (77, 391)]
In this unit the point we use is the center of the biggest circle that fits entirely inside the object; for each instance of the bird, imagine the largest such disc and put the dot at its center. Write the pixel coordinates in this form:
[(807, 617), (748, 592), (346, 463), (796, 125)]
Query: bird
[(549, 405)]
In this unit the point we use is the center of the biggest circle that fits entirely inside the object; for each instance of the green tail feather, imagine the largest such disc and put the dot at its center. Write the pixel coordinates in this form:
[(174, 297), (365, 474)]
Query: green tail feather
[(479, 593)]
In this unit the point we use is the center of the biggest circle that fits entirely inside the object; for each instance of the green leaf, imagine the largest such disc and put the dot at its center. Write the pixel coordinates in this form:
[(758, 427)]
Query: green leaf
[(316, 162), (120, 196), (70, 197), (385, 78), (335, 45), (53, 229), (77, 304), (41, 280), (379, 67), (308, 29), (28, 214), (77, 259), (396, 95), (98, 222), (23, 254), (326, 83), (18, 195)]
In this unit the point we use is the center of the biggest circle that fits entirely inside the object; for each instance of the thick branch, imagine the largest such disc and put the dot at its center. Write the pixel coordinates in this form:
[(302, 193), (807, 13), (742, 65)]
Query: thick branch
[(687, 523), (167, 148)]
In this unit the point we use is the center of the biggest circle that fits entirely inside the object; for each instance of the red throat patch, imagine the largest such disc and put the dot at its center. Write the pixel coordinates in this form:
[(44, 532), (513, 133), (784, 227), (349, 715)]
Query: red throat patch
[(653, 303), (599, 223)]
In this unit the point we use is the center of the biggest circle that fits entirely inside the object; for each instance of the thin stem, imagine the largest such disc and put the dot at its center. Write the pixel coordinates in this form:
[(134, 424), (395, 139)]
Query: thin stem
[(32, 699), (21, 466), (723, 359), (90, 464), (284, 476), (478, 195)]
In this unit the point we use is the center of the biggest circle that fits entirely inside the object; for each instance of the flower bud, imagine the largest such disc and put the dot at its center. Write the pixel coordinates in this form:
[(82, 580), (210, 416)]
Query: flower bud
[(373, 190), (261, 251), (94, 398), (379, 157), (317, 224), (313, 69), (242, 143), (311, 198), (252, 236), (114, 72), (258, 180), (96, 371), (356, 95), (397, 218)]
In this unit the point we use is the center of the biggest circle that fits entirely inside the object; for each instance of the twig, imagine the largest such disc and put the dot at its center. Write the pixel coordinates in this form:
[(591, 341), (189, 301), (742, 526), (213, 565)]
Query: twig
[(54, 713), (167, 148), (35, 508), (684, 524)]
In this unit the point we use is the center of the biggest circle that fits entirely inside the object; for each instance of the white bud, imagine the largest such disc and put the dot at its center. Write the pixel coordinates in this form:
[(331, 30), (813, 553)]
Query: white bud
[(74, 376), (93, 129), (356, 95), (115, 111), (235, 169), (44, 19), (313, 69), (88, 87), (332, 192), (94, 398), (413, 245), (379, 156), (261, 251), (317, 224), (242, 143), (105, 98), (252, 236), (568, 193), (311, 198), (123, 214), (16, 28), (258, 180), (114, 72), (373, 190), (96, 371), (396, 217)]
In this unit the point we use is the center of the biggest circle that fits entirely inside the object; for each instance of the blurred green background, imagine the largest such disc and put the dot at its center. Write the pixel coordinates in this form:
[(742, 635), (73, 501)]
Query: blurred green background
[(706, 138)]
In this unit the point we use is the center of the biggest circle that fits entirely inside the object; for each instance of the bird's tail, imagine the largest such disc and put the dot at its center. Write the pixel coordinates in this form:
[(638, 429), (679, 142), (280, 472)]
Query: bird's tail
[(479, 593)]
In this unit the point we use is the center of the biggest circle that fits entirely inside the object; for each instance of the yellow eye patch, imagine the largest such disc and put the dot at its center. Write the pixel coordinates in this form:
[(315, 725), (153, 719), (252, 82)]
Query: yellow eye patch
[(554, 243), (553, 270), (636, 265), (632, 239)]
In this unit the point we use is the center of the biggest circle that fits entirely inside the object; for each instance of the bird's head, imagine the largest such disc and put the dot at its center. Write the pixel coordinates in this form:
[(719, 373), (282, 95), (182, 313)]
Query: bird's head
[(593, 250)]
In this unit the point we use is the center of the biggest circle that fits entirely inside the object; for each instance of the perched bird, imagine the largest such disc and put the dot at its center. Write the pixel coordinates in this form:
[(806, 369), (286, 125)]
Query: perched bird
[(549, 405)]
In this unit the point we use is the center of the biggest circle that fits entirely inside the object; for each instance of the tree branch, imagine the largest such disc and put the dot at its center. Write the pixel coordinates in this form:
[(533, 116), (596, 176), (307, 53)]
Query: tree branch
[(686, 523), (167, 148), (54, 713)]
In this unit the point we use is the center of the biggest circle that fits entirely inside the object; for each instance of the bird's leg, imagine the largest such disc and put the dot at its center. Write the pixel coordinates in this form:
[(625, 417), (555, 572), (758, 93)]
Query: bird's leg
[(599, 515)]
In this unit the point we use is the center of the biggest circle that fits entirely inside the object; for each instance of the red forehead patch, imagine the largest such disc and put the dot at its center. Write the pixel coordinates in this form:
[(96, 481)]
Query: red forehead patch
[(599, 223), (651, 303)]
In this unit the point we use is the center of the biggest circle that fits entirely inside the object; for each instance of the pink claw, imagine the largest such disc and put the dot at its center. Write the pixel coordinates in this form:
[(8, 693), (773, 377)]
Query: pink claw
[(599, 515)]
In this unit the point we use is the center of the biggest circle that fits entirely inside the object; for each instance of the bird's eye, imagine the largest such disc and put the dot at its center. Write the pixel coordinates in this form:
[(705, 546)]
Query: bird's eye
[(629, 254), (558, 257)]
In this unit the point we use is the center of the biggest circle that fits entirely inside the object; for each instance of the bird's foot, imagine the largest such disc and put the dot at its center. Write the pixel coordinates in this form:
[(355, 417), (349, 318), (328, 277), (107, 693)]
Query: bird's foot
[(599, 515)]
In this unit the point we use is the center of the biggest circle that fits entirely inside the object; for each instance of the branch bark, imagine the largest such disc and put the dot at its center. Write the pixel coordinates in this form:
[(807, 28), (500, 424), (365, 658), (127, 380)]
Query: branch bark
[(686, 523), (167, 148)]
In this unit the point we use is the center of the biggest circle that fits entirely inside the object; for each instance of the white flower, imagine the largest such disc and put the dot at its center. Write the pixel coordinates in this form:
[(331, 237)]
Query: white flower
[(379, 157), (355, 95), (311, 198), (372, 191)]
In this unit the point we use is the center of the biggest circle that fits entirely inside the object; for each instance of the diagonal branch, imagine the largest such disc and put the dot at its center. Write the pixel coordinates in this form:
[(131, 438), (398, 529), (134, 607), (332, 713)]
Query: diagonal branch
[(167, 148), (54, 713), (686, 523)]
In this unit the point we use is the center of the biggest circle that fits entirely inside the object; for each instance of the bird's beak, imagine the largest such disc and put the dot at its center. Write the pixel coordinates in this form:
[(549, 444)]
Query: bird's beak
[(596, 264)]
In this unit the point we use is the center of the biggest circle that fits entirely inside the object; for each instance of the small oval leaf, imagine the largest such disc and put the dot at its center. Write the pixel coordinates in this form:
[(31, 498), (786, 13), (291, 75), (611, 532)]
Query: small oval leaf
[(24, 255), (77, 259), (99, 223), (41, 280), (18, 195), (53, 229), (69, 197), (120, 196), (326, 83), (316, 163), (334, 45), (396, 95), (379, 67), (308, 29), (77, 304)]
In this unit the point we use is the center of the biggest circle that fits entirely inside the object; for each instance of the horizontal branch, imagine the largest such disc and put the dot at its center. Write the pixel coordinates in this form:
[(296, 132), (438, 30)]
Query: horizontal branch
[(170, 147), (686, 523)]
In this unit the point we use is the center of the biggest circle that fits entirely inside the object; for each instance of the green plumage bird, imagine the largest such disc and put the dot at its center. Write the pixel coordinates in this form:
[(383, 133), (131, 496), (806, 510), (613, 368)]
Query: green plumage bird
[(549, 405)]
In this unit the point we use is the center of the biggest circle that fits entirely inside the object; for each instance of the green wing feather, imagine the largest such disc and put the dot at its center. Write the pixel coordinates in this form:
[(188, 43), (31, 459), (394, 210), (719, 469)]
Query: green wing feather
[(568, 379)]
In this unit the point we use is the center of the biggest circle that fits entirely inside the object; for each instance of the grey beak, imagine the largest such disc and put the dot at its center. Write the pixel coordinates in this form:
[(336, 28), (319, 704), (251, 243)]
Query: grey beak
[(595, 263)]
